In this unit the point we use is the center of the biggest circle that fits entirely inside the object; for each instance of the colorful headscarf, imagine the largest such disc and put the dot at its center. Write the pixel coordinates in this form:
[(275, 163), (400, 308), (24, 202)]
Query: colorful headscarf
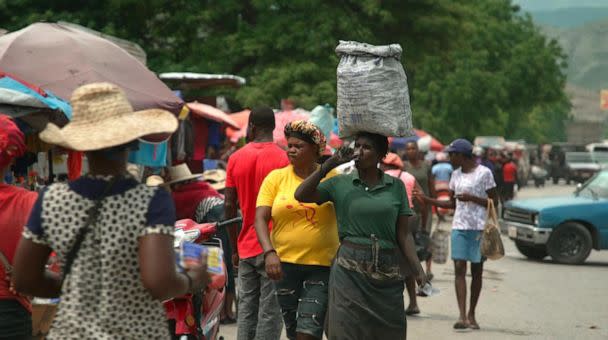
[(12, 141), (306, 131)]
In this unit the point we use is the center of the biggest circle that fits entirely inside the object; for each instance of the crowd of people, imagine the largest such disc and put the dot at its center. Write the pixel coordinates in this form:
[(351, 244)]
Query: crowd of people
[(319, 250)]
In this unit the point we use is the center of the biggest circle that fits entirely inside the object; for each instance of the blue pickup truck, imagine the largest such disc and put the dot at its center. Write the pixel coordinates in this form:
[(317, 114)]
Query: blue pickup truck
[(565, 228)]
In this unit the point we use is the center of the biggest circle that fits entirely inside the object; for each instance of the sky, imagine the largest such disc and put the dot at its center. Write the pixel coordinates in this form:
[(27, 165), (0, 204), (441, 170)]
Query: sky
[(542, 5)]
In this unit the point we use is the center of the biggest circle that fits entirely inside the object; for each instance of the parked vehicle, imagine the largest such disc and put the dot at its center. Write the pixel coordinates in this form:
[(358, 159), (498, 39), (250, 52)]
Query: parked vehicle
[(597, 147), (490, 142), (188, 317), (565, 228), (557, 159), (580, 166), (442, 192)]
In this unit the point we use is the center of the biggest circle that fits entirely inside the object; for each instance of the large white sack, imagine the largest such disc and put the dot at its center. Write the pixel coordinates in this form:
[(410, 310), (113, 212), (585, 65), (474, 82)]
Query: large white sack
[(372, 90)]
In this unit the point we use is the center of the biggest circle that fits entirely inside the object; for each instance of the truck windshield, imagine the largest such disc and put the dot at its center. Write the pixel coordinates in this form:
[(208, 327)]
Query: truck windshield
[(579, 157), (597, 187)]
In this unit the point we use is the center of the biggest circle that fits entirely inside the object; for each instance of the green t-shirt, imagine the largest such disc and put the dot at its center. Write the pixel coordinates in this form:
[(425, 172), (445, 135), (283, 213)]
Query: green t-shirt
[(363, 211)]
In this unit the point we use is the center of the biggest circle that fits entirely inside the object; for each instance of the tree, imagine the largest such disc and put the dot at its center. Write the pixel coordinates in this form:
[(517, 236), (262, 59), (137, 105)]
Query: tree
[(474, 68)]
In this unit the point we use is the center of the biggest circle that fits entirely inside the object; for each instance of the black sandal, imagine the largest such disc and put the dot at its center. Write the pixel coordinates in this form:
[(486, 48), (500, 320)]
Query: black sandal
[(228, 321), (412, 311), (461, 325)]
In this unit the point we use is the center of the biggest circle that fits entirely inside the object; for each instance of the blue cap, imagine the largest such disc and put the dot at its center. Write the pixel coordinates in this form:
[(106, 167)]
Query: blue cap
[(460, 145)]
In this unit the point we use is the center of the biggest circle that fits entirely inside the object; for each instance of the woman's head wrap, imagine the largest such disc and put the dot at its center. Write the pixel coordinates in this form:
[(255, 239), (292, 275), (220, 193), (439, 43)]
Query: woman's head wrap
[(307, 132), (12, 141)]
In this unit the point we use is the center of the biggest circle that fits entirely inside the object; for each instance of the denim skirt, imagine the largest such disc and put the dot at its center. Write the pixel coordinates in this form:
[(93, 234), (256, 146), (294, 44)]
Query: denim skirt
[(465, 245)]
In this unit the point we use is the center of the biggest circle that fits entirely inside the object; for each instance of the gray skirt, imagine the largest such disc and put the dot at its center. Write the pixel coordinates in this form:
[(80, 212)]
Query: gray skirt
[(366, 296)]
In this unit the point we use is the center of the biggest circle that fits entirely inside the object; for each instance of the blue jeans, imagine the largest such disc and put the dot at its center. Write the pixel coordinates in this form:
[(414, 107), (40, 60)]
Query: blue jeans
[(259, 315)]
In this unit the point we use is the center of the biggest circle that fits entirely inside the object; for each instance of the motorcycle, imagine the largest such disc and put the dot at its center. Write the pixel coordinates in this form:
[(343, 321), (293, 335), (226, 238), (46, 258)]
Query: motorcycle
[(197, 316), (442, 190)]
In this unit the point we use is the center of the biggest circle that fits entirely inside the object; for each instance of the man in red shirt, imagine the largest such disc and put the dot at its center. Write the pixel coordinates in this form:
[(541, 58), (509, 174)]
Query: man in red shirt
[(509, 175), (15, 206), (259, 315)]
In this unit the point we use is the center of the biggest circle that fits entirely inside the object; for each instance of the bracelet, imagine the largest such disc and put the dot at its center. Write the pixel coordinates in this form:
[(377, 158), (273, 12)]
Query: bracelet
[(269, 251), (189, 281)]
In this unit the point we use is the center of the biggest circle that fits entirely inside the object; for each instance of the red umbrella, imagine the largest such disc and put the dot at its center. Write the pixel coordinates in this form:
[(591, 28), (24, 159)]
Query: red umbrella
[(281, 119), (60, 58), (242, 119), (212, 113)]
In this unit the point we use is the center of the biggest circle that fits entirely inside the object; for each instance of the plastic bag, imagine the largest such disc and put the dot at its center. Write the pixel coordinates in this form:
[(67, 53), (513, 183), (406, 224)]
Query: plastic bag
[(491, 243), (372, 90), (322, 116)]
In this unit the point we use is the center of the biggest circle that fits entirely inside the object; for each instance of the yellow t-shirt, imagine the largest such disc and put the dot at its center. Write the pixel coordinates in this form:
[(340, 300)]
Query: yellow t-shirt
[(302, 233)]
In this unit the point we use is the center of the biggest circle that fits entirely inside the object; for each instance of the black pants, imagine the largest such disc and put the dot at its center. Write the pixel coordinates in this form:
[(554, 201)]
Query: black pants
[(15, 321)]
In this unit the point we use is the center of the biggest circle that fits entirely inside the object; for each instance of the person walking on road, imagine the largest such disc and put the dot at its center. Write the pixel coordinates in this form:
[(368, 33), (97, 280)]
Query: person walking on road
[(114, 235), (259, 315), (304, 237), (366, 279), (393, 165), (15, 206), (471, 187), (509, 176)]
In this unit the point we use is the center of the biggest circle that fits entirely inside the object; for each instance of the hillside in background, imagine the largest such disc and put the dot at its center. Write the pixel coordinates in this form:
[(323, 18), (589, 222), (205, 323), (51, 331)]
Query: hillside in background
[(546, 5), (587, 51), (569, 17)]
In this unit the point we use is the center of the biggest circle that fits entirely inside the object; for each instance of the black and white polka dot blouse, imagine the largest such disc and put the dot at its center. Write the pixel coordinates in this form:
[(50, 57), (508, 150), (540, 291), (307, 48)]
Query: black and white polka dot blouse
[(103, 297)]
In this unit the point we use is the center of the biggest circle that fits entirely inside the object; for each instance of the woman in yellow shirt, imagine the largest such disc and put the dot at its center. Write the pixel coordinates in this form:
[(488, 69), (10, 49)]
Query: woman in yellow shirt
[(304, 238)]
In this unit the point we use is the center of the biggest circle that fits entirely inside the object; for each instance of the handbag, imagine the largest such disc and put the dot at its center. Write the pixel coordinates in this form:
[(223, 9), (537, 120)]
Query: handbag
[(92, 216), (440, 243), (491, 243)]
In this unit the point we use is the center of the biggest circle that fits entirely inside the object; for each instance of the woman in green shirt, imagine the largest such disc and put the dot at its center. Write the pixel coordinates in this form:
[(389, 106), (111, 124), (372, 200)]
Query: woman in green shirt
[(366, 280)]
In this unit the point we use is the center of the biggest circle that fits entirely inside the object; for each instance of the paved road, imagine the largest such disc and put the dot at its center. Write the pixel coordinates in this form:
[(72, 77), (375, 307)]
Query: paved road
[(521, 299)]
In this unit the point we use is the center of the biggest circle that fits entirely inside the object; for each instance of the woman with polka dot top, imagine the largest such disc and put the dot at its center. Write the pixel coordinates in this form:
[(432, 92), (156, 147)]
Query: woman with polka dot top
[(125, 265)]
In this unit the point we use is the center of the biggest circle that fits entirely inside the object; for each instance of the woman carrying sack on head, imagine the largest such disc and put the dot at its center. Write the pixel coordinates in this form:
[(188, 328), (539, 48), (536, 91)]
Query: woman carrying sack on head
[(366, 281), (113, 235), (15, 206), (304, 238), (471, 188)]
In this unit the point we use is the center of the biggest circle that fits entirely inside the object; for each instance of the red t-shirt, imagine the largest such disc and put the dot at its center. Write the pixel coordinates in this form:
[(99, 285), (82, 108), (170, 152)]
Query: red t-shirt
[(246, 170), (15, 206), (509, 172)]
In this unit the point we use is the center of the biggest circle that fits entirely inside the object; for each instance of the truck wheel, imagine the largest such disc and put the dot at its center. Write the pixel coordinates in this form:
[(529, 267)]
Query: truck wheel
[(531, 252), (570, 243)]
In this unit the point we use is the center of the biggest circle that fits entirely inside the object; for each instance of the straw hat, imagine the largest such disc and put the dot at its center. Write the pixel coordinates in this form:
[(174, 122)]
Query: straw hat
[(216, 178), (154, 181), (181, 173), (103, 118)]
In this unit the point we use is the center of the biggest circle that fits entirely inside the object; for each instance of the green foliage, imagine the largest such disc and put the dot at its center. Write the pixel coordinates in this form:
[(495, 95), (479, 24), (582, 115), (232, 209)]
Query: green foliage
[(474, 67)]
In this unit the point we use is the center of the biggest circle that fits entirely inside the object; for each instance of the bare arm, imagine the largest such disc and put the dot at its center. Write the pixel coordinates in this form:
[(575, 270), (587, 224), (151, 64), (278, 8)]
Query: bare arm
[(262, 218), (424, 213), (478, 200), (307, 191), (272, 262), (230, 211), (30, 276), (431, 183), (158, 271), (451, 204), (408, 248)]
